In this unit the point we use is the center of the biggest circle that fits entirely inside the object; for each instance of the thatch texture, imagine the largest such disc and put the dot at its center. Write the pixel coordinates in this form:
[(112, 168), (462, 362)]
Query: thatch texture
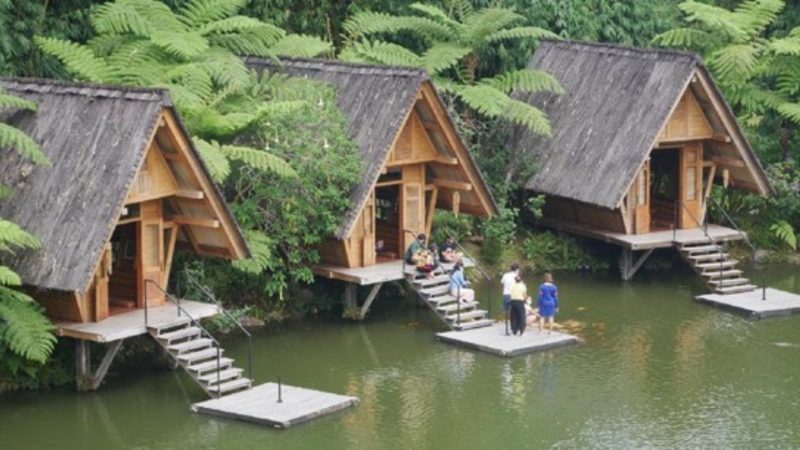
[(96, 138), (617, 100), (376, 101)]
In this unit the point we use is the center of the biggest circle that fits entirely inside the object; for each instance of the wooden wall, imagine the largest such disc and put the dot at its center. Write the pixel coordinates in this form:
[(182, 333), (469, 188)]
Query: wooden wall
[(583, 214), (688, 122)]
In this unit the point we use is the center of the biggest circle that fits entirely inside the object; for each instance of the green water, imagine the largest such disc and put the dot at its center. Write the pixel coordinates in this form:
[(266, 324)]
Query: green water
[(656, 370)]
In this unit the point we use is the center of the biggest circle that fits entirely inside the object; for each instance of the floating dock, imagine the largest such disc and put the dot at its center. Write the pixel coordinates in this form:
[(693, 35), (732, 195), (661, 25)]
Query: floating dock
[(750, 304), (494, 340), (260, 405)]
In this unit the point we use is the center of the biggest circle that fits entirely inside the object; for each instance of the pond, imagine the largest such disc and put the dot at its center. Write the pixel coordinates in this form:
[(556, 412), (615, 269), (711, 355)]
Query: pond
[(655, 370)]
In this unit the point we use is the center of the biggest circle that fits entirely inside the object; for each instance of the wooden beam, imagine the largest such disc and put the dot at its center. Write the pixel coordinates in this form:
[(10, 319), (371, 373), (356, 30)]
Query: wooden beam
[(216, 251), (629, 268), (431, 211), (729, 162), (370, 298), (196, 221), (173, 156), (86, 380), (456, 202), (388, 183), (719, 137), (446, 160), (452, 184), (194, 194)]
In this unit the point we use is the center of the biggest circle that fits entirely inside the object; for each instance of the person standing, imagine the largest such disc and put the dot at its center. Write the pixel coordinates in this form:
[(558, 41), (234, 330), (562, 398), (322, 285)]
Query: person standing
[(508, 280), (459, 286), (519, 293), (548, 303)]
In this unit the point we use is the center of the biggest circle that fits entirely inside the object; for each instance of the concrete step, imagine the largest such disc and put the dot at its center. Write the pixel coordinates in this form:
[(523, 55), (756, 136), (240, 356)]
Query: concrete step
[(182, 333), (474, 324), (465, 316), (710, 266), (441, 300), (166, 327), (200, 355), (435, 290), (454, 307), (736, 289), (709, 257), (729, 282), (702, 249), (205, 366), (230, 386), (193, 345), (211, 378), (721, 274), (426, 282)]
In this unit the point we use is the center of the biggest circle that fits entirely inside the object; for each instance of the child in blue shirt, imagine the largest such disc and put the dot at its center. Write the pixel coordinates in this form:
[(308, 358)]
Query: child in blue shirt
[(548, 303)]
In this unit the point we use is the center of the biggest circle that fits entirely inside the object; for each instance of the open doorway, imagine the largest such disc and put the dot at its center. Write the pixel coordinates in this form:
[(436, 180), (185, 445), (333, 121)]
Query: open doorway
[(665, 187), (123, 284), (387, 223)]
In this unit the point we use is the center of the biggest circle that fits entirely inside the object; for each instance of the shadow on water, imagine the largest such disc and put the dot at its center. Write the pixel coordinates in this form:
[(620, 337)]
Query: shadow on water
[(655, 370)]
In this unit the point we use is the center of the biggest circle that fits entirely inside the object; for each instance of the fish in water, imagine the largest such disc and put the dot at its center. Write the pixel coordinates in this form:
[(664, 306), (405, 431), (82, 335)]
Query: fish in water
[(785, 344)]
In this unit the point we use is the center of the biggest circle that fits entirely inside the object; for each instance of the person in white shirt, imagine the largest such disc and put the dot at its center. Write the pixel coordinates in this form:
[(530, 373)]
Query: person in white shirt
[(508, 281)]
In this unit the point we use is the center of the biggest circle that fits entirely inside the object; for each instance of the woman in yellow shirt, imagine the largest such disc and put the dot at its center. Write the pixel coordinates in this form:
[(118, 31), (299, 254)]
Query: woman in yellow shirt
[(519, 295)]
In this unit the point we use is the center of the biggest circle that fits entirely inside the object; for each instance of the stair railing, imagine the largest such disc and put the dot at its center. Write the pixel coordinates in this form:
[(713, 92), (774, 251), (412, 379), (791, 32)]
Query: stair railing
[(477, 266), (749, 244), (213, 299), (192, 320), (704, 226)]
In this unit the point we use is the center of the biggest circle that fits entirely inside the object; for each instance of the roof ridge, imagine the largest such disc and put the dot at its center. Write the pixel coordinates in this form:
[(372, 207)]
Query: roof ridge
[(336, 63), (626, 48), (63, 87)]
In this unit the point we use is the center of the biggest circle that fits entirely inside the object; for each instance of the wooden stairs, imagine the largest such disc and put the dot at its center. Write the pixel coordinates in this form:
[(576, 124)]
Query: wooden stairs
[(435, 292), (191, 347), (715, 266)]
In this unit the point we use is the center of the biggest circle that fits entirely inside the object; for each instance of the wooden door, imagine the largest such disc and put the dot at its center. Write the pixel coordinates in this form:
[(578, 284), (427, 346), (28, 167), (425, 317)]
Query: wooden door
[(151, 254), (691, 176), (642, 200), (413, 202), (368, 224)]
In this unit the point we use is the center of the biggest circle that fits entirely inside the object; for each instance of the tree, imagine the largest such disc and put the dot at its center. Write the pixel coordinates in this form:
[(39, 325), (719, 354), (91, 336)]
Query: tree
[(451, 47), (24, 330)]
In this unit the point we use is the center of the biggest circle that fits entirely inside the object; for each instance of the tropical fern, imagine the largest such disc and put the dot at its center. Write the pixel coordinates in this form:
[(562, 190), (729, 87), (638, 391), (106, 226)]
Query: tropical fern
[(301, 46), (784, 231), (79, 59), (261, 259), (258, 159), (12, 237), (217, 163), (443, 55), (526, 80), (23, 326)]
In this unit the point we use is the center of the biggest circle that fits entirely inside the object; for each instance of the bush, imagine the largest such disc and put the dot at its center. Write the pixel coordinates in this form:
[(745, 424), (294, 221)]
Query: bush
[(498, 232), (547, 250), (462, 226)]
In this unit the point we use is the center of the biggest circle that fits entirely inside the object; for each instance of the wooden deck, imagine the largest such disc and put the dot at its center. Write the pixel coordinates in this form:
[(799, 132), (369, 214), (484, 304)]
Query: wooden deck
[(750, 304), (365, 276), (129, 324), (494, 340), (657, 239), (260, 405)]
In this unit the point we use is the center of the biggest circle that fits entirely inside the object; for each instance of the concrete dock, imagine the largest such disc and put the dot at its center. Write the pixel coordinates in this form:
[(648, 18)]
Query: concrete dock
[(750, 304), (493, 340)]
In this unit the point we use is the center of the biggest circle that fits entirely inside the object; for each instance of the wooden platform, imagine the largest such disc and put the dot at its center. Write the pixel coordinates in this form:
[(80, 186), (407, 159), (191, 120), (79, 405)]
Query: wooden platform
[(657, 239), (778, 303), (493, 340), (260, 405), (365, 276), (131, 323)]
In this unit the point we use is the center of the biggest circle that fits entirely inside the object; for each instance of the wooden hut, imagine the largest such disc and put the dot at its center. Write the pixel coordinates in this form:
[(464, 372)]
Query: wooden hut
[(638, 140), (125, 189), (414, 158)]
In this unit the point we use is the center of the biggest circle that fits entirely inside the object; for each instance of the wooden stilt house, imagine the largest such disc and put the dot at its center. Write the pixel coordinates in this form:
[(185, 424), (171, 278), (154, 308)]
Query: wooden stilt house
[(126, 188), (639, 138)]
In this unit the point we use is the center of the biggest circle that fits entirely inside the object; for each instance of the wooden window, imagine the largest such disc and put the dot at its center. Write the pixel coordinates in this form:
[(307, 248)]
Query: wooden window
[(151, 244), (641, 189)]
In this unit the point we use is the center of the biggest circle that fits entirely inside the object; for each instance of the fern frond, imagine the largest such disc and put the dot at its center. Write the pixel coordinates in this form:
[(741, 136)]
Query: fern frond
[(215, 160), (477, 27), (790, 111), (300, 45), (200, 12), (225, 68), (521, 33), (493, 102), (718, 19), (121, 17), (260, 246), (180, 44), (443, 55), (784, 231), (683, 38), (104, 45), (735, 62), (256, 41), (232, 25), (785, 46), (384, 53), (275, 109), (525, 80), (23, 326), (192, 77), (8, 277), (260, 160), (434, 12), (522, 113), (753, 16), (12, 101), (78, 59), (367, 23), (13, 236), (13, 138)]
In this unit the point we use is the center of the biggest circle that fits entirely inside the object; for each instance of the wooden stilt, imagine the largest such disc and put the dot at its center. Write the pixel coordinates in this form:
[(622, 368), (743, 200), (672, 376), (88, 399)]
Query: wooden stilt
[(86, 380), (370, 298), (627, 265), (350, 300)]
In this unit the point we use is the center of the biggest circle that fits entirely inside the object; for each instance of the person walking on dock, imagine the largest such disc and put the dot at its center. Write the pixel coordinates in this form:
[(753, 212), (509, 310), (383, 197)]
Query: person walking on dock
[(508, 280), (459, 286), (548, 303), (519, 294)]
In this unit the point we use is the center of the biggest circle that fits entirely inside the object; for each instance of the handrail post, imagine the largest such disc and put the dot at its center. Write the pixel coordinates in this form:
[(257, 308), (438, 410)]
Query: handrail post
[(145, 305), (250, 358), (219, 366), (458, 306)]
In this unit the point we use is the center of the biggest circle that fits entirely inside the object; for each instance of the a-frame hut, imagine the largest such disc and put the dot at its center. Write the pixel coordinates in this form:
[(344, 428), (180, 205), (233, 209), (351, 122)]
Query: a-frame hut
[(414, 158), (639, 138), (125, 189)]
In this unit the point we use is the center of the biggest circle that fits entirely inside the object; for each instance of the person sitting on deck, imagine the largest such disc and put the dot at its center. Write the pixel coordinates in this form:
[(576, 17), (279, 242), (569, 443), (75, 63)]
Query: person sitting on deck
[(448, 251), (531, 313), (548, 303), (426, 263), (413, 254), (459, 286)]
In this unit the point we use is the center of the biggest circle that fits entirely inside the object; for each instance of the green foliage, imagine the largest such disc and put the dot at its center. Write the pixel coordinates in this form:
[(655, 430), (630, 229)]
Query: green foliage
[(454, 43), (498, 233), (547, 251), (461, 226), (784, 231)]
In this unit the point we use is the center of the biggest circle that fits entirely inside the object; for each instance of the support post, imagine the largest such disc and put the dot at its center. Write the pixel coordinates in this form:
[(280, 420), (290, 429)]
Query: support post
[(86, 380), (350, 300), (370, 298), (627, 264)]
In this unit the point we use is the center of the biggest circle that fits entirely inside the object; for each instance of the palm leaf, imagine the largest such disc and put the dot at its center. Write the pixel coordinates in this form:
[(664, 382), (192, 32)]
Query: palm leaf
[(23, 327), (78, 59), (526, 80), (299, 45), (11, 137), (443, 55)]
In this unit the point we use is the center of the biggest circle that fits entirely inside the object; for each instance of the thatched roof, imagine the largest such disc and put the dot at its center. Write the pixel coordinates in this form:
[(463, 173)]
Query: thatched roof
[(96, 138), (376, 101), (617, 100)]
